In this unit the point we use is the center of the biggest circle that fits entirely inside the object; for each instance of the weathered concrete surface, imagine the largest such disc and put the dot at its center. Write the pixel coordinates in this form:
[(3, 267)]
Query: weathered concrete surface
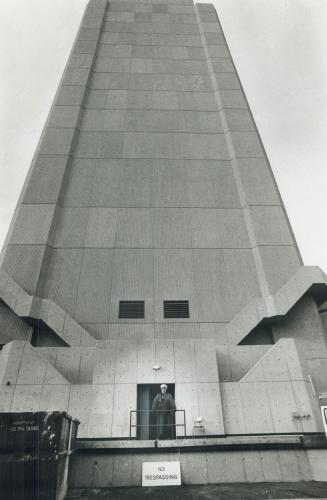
[(260, 491), (150, 179), (16, 303), (151, 138), (224, 443), (98, 385), (102, 382), (100, 468), (150, 182)]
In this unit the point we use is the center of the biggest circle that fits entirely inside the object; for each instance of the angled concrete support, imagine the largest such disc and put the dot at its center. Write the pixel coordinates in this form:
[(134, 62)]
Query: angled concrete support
[(29, 307), (308, 279)]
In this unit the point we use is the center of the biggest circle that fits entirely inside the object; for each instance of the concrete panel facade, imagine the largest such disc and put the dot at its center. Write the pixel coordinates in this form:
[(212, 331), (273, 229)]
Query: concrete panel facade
[(150, 183), (275, 389), (102, 382), (105, 470), (164, 151)]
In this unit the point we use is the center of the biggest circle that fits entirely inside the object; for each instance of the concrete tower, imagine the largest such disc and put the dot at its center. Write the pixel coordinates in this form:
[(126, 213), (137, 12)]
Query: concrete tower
[(150, 245)]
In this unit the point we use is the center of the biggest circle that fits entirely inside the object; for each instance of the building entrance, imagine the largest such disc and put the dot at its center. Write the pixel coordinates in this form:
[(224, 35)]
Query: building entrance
[(147, 420)]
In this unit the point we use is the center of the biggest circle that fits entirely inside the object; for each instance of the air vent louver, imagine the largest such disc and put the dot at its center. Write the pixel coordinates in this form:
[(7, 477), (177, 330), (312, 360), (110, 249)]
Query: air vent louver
[(176, 309), (131, 309)]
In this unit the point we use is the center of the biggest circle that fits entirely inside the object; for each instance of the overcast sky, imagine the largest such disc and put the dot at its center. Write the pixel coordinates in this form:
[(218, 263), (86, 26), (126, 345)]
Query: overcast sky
[(280, 50)]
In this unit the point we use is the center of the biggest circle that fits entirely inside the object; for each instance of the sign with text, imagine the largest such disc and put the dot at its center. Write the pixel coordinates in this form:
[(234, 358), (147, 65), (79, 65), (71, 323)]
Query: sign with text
[(161, 474), (324, 417)]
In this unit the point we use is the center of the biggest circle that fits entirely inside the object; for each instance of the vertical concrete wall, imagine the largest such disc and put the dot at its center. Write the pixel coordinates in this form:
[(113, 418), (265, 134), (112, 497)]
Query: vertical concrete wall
[(29, 382), (147, 180), (103, 471), (265, 219), (12, 327), (99, 385), (304, 323), (317, 460), (150, 183), (274, 396), (30, 239)]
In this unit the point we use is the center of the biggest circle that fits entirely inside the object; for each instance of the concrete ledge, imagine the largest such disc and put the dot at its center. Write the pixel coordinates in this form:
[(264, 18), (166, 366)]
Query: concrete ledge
[(263, 490), (114, 444), (314, 441), (201, 444), (236, 442), (241, 443)]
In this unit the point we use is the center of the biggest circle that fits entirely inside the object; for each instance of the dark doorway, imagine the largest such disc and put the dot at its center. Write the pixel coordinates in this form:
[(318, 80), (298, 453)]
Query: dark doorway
[(147, 419)]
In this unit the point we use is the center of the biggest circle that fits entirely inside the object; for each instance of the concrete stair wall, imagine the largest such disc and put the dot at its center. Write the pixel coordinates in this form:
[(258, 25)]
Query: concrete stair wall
[(275, 395), (307, 279), (28, 306)]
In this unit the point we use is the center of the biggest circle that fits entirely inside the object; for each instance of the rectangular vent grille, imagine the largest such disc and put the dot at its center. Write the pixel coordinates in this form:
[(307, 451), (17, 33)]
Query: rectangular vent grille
[(131, 309), (176, 309)]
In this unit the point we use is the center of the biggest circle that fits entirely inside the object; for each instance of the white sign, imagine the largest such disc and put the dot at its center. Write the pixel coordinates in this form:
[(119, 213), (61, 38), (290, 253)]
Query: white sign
[(161, 474), (324, 417)]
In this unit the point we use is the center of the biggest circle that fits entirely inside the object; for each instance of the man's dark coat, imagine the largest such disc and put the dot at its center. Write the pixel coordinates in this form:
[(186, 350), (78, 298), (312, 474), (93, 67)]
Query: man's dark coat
[(163, 402)]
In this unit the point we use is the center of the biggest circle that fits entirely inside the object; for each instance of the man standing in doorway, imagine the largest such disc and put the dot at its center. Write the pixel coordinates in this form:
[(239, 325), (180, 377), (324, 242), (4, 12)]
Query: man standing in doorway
[(164, 406)]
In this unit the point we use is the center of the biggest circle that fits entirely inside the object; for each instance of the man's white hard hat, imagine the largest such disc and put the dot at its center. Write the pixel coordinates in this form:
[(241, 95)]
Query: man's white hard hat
[(163, 385)]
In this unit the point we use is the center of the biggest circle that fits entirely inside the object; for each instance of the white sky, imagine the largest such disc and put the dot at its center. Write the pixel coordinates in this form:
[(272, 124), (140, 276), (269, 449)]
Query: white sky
[(279, 48)]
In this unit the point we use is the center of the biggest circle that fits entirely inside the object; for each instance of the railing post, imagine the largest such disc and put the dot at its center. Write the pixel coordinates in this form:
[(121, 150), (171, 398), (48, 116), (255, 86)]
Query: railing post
[(130, 424), (172, 424), (184, 425)]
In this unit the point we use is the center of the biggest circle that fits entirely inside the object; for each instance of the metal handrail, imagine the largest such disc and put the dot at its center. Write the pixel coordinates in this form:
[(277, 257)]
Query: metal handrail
[(157, 412)]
